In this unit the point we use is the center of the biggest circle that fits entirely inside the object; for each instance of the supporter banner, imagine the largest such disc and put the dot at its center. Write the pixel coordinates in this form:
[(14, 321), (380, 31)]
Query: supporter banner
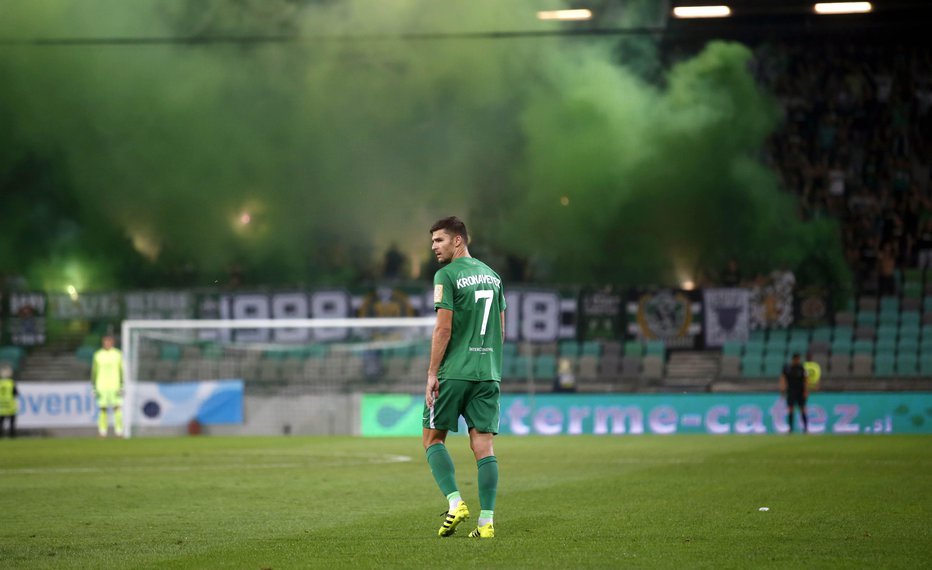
[(552, 414), (772, 302), (727, 315), (813, 308), (670, 315), (601, 314), (86, 306), (72, 404), (159, 305), (26, 322), (177, 403)]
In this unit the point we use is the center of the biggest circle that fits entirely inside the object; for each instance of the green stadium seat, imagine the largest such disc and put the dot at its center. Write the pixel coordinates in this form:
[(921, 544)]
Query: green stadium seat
[(754, 347), (841, 346), (887, 332), (212, 350), (13, 354), (569, 348), (732, 348), (634, 348), (757, 335), (778, 335), (797, 346), (843, 332), (319, 351), (751, 366), (910, 318), (885, 345), (822, 334), (773, 366), (170, 352), (869, 319), (884, 364), (545, 366), (800, 336), (889, 304), (274, 354), (927, 304), (907, 346), (83, 353), (889, 319), (925, 364), (775, 345), (591, 348), (863, 347), (509, 349), (655, 348), (515, 367), (907, 364)]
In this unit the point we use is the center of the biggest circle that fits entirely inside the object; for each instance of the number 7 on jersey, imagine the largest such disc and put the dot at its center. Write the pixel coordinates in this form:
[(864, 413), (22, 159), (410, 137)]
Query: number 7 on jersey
[(487, 295)]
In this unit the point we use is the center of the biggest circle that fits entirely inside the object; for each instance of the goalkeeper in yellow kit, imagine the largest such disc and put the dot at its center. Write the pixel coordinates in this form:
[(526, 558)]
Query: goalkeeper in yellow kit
[(107, 378)]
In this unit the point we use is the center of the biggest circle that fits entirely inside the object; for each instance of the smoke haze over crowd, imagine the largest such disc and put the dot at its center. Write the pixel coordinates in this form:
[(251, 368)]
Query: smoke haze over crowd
[(354, 124)]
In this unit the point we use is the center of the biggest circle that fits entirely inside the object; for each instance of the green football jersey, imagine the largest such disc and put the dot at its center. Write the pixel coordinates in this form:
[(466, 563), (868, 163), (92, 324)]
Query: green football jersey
[(475, 294)]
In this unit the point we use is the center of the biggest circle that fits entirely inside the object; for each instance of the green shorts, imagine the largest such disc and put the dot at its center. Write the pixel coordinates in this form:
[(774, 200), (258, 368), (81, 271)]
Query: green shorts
[(109, 398), (477, 402)]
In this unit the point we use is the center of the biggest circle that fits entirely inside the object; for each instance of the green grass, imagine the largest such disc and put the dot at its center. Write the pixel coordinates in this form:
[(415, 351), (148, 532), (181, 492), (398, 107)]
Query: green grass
[(565, 502)]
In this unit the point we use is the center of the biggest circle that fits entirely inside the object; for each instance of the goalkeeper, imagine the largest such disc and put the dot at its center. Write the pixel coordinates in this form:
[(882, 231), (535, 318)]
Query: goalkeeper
[(107, 378), (464, 372)]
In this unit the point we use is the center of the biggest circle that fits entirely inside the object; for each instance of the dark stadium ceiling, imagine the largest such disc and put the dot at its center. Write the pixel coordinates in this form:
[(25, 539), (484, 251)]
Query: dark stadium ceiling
[(755, 19), (750, 20)]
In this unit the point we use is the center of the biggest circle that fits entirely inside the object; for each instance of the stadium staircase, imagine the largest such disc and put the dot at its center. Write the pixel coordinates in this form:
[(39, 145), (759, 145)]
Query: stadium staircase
[(53, 362), (691, 370)]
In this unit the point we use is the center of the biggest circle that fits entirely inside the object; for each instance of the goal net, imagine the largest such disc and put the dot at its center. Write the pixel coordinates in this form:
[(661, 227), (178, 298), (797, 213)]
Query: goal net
[(281, 376)]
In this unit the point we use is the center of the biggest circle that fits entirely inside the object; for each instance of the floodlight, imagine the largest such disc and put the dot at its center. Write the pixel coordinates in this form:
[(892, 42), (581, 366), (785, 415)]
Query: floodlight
[(843, 7), (565, 15), (720, 11)]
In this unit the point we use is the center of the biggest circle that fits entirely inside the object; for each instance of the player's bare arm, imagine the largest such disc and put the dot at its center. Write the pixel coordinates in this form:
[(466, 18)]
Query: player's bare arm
[(439, 340)]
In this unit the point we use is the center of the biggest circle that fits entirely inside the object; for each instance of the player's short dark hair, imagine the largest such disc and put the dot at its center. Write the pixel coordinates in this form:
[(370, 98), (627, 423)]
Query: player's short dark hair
[(451, 225), (795, 355)]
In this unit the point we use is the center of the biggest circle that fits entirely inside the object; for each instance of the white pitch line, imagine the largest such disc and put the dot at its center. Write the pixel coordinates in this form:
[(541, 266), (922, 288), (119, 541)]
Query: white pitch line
[(373, 460)]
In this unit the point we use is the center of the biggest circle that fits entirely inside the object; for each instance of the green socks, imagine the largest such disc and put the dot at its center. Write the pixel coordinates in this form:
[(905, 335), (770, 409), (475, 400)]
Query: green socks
[(441, 467), (488, 483)]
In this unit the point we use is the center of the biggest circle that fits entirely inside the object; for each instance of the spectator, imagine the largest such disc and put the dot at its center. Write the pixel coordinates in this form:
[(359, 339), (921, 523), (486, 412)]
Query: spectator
[(8, 403)]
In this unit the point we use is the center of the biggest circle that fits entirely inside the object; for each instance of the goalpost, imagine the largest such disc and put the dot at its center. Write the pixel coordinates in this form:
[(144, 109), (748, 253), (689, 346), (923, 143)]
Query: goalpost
[(298, 367)]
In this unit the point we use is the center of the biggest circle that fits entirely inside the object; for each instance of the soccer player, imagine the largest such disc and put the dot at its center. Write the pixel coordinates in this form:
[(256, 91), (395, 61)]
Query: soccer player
[(107, 378), (465, 371), (795, 388)]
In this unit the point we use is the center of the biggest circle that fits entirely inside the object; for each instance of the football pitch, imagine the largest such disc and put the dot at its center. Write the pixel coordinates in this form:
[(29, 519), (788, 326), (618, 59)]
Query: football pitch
[(563, 502)]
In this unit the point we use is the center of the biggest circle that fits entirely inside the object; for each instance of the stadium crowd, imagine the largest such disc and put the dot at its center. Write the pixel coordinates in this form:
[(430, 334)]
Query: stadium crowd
[(854, 145)]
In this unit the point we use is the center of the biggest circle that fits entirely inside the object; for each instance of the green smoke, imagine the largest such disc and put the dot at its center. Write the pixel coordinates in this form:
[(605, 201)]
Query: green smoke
[(575, 154)]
